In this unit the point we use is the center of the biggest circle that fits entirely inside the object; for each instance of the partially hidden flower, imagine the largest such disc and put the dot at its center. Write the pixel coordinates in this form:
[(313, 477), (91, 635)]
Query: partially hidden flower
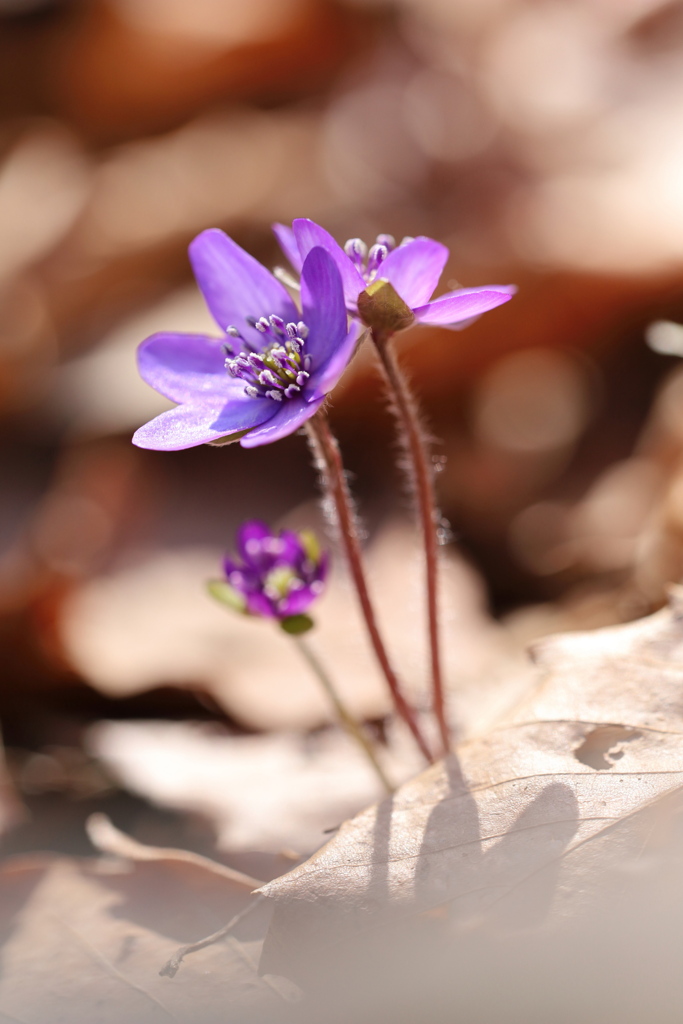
[(413, 268), (273, 365), (274, 576)]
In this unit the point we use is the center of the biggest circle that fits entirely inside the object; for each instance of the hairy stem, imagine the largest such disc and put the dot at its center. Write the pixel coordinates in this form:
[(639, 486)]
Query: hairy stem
[(422, 476), (353, 727), (334, 483)]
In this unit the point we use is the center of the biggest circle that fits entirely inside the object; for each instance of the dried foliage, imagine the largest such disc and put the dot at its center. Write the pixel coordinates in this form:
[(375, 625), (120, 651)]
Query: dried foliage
[(86, 941), (526, 819), (572, 803)]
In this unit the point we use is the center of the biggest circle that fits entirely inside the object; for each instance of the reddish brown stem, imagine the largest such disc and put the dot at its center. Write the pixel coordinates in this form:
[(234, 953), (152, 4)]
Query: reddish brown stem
[(334, 481), (423, 480)]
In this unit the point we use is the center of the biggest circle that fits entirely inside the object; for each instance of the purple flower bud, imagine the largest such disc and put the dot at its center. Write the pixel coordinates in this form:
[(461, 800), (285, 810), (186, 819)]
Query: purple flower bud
[(275, 575)]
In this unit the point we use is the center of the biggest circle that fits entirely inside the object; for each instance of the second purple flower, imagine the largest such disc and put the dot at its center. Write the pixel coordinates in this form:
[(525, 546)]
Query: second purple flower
[(275, 575), (413, 268)]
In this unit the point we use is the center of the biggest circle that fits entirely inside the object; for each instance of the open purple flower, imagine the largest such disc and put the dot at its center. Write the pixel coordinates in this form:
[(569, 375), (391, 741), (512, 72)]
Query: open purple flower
[(413, 268), (275, 576), (271, 369)]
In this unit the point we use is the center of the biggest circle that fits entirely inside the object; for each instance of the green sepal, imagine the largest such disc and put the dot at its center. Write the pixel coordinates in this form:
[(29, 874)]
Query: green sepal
[(222, 592), (382, 308), (311, 545), (228, 438), (295, 625)]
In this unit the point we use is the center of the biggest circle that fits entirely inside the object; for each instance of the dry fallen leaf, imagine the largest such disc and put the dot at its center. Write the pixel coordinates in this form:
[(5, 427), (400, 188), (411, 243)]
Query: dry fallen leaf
[(87, 940), (267, 793), (580, 777), (105, 837)]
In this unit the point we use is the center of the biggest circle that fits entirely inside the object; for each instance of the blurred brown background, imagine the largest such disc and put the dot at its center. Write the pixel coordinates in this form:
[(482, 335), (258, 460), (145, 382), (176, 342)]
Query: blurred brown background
[(539, 139)]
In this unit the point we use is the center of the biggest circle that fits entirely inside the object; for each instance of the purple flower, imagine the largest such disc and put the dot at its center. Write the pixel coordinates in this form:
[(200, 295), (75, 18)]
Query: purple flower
[(273, 366), (413, 268), (276, 576)]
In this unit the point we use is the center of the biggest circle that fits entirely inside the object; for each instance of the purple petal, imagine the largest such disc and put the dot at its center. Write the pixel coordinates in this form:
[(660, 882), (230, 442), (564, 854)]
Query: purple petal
[(298, 600), (324, 379), (463, 304), (259, 604), (252, 530), (309, 234), (289, 417), (184, 367), (323, 306), (230, 566), (235, 285), (189, 425), (414, 269), (322, 567), (287, 240), (292, 551), (241, 578), (462, 324)]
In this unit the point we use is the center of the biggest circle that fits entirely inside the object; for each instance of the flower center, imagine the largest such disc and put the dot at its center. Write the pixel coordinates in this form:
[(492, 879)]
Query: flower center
[(280, 370), (280, 581), (368, 261)]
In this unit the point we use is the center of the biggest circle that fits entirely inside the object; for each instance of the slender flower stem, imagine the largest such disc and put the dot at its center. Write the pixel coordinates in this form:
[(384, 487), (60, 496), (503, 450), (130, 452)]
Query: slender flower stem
[(353, 727), (334, 481), (423, 479)]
